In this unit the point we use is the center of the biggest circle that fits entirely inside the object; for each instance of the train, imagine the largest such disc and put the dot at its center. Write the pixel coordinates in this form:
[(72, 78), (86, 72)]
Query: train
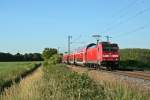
[(95, 55)]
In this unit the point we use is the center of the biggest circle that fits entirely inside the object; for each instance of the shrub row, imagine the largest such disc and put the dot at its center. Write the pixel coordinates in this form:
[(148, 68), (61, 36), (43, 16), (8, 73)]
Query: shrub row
[(135, 58)]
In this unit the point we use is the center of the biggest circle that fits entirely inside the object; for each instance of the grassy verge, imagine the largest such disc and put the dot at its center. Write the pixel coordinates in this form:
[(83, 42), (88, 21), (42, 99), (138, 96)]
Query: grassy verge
[(122, 91), (12, 72), (62, 84)]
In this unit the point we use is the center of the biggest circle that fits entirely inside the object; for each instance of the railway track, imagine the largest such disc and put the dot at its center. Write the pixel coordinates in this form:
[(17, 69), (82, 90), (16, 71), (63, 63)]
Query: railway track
[(131, 73), (134, 74)]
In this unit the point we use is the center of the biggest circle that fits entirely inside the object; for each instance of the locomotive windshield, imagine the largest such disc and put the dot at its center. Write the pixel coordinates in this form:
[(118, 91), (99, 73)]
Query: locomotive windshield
[(110, 47)]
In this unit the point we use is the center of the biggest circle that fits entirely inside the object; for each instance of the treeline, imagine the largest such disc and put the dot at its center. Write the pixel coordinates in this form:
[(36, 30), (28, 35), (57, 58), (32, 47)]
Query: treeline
[(20, 57), (136, 57)]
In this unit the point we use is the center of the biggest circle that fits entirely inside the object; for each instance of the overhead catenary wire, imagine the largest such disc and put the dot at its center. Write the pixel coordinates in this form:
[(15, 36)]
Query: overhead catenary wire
[(76, 39), (125, 8), (131, 32), (122, 14), (130, 18), (129, 6), (76, 42)]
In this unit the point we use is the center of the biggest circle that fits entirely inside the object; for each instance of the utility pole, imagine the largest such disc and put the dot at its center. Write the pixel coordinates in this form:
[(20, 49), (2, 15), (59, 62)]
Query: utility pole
[(58, 49), (69, 43), (108, 38), (97, 38)]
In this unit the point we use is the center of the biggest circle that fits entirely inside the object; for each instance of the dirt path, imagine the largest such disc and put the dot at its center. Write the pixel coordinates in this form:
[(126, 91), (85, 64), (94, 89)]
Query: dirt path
[(26, 89), (114, 79)]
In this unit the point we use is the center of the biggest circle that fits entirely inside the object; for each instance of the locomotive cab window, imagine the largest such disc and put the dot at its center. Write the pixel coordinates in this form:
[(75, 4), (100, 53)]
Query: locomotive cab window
[(110, 47), (114, 47)]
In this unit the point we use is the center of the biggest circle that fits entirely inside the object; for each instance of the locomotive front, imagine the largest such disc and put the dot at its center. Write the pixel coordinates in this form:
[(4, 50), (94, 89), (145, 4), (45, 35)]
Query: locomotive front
[(110, 54)]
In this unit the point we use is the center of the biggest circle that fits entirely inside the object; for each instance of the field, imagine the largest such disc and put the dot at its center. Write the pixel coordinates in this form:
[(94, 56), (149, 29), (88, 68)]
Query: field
[(12, 71)]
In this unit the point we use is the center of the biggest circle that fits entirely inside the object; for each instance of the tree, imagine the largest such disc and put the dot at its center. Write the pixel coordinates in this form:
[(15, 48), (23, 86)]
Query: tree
[(37, 57), (49, 52)]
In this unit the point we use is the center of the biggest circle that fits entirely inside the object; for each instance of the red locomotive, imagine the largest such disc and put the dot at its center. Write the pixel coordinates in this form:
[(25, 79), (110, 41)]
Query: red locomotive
[(103, 54)]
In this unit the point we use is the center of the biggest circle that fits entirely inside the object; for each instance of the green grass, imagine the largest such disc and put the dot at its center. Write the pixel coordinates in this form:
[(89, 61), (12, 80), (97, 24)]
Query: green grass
[(62, 84), (11, 70)]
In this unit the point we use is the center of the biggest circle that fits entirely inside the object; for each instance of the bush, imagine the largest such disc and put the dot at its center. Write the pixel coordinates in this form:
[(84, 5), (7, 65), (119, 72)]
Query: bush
[(55, 59), (49, 52)]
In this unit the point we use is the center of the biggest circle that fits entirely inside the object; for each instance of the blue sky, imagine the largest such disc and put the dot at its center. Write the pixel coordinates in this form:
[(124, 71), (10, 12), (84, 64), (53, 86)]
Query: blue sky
[(32, 25)]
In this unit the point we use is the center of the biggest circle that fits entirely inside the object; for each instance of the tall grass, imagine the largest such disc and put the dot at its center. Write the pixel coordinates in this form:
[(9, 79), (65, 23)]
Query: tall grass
[(119, 91), (62, 84)]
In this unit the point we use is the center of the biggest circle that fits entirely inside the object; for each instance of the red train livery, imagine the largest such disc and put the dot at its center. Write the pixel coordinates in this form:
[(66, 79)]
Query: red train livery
[(103, 54)]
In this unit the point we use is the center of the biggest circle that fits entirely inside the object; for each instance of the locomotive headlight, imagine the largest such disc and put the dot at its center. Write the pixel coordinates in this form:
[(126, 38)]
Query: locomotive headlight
[(105, 55), (115, 56)]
